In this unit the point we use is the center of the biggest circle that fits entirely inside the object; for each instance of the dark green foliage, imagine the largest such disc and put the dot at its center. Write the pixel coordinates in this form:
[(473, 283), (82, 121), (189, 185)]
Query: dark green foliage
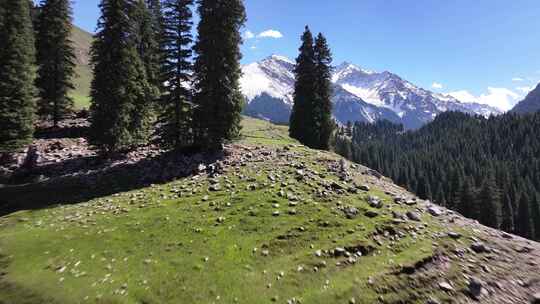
[(486, 169), (301, 124), (121, 94), (489, 203), (158, 29), (324, 123), (523, 223), (535, 215), (17, 56), (507, 223), (218, 98), (175, 124), (147, 43), (55, 59), (467, 199)]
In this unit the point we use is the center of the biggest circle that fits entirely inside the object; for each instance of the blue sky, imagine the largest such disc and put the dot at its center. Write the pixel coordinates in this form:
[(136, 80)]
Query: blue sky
[(485, 50)]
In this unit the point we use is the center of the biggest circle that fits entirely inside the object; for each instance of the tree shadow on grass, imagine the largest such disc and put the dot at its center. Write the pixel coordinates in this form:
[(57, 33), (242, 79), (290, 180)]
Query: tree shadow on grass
[(101, 179)]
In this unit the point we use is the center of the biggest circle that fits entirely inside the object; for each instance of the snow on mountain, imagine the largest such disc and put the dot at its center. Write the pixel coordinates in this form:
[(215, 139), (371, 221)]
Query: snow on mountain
[(359, 95), (273, 76)]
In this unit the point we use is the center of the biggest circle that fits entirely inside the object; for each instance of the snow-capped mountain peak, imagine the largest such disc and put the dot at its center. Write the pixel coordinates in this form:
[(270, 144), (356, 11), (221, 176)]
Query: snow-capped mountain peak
[(359, 95), (272, 76)]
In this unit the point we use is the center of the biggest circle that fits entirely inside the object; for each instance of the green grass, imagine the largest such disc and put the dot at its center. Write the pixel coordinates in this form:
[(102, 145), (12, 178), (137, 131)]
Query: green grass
[(153, 246), (82, 41)]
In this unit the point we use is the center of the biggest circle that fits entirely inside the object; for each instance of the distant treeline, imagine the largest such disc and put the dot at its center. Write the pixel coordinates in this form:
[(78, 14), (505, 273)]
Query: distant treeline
[(486, 169)]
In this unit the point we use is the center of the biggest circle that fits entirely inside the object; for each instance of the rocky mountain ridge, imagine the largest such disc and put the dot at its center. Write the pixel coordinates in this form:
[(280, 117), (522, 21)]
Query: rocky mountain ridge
[(359, 95)]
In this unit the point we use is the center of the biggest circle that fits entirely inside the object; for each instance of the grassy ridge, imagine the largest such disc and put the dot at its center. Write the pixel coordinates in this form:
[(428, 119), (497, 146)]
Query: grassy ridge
[(181, 243), (82, 41)]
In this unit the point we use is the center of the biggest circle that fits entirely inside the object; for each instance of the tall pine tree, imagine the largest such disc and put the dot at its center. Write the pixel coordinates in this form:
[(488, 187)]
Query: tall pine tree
[(120, 90), (523, 222), (305, 93), (158, 27), (17, 56), (324, 125), (55, 59), (507, 223), (175, 124), (490, 204), (217, 70), (535, 214), (147, 43)]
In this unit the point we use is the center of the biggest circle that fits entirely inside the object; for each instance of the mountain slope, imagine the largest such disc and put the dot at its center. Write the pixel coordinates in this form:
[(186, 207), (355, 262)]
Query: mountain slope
[(269, 221), (359, 95), (530, 104), (82, 41)]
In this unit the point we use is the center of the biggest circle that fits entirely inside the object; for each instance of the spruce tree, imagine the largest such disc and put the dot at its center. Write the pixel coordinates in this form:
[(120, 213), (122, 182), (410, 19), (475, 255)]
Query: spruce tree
[(507, 223), (55, 59), (175, 119), (489, 203), (158, 28), (147, 43), (120, 91), (523, 223), (324, 125), (218, 98), (535, 216), (302, 120), (17, 92), (467, 200)]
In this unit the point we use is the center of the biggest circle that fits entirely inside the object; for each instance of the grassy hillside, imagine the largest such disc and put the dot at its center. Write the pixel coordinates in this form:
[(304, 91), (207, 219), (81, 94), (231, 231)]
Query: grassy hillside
[(82, 41), (278, 224)]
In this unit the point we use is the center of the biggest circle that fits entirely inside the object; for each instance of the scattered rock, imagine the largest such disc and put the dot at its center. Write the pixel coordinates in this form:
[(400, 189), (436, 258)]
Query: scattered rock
[(350, 212), (435, 211), (475, 288), (446, 286), (535, 298), (413, 216), (215, 187), (375, 202), (371, 214), (480, 247), (454, 235), (364, 187)]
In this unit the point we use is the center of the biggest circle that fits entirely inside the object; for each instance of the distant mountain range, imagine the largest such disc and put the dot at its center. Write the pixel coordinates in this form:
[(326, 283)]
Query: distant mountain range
[(358, 95), (530, 104)]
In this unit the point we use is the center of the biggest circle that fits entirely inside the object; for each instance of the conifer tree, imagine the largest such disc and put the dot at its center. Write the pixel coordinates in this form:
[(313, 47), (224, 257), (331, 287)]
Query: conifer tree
[(158, 28), (324, 125), (55, 59), (17, 56), (175, 124), (147, 43), (301, 120), (490, 208), (535, 214), (218, 98), (507, 223), (467, 200), (523, 223), (120, 90)]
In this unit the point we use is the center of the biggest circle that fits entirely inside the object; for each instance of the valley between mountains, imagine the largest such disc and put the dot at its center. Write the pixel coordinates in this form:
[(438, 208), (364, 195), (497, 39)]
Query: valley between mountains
[(265, 221)]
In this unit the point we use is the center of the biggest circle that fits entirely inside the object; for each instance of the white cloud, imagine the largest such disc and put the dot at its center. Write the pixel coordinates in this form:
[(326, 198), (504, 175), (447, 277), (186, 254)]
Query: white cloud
[(248, 35), (437, 85), (501, 98), (518, 79), (253, 47), (270, 34)]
